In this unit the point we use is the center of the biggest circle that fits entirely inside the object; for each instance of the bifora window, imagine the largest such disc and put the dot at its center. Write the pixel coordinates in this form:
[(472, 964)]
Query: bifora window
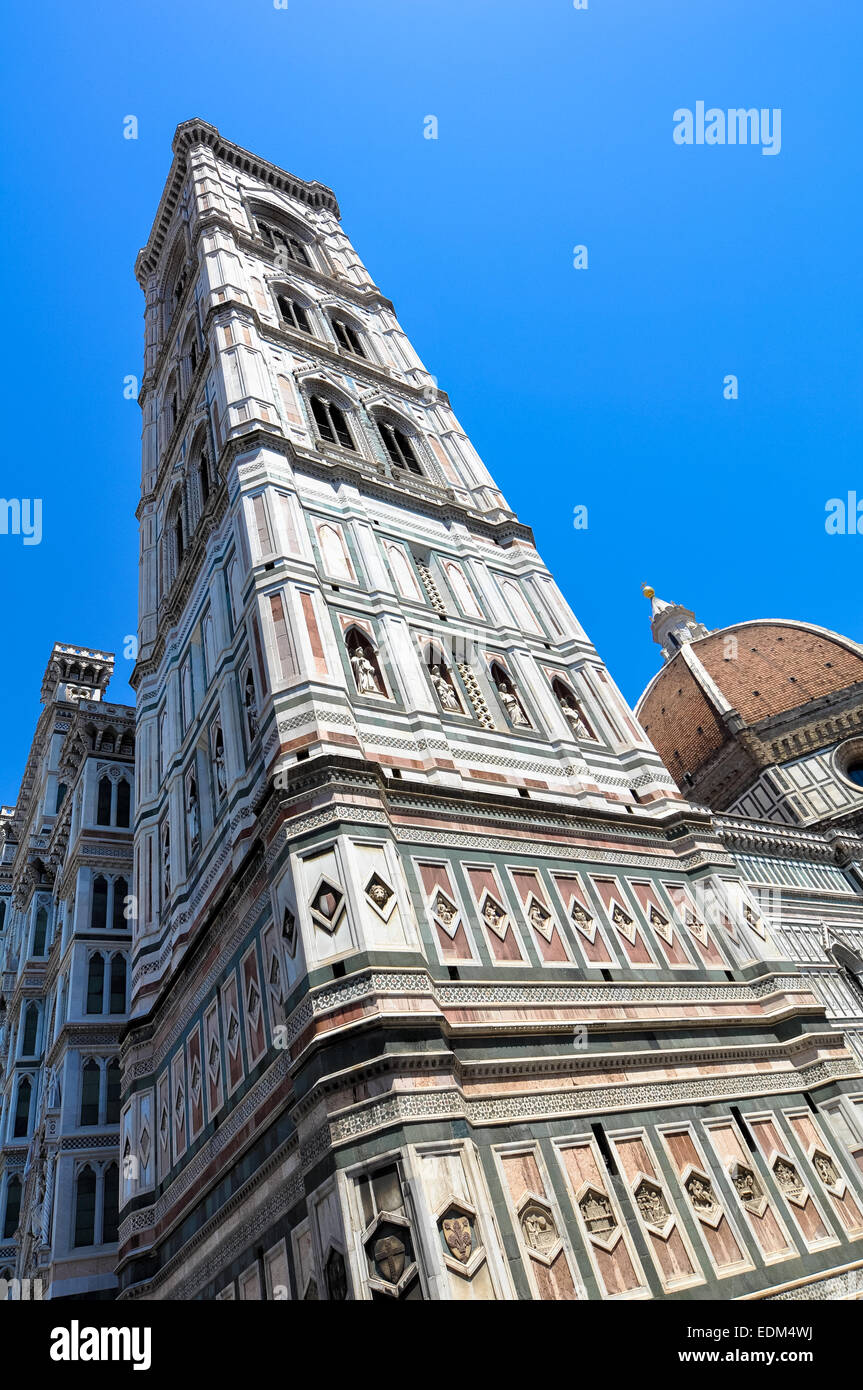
[(293, 314), (281, 241), (348, 337), (399, 447), (331, 423)]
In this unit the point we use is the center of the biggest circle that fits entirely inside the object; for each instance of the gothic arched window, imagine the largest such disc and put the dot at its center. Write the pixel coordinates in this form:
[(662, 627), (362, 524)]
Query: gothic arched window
[(293, 313), (348, 337), (118, 912), (61, 792), (124, 802), (99, 911), (103, 806), (282, 242), (13, 1208), (399, 447), (85, 1207), (40, 931), (31, 1030), (91, 1080), (22, 1109), (95, 983), (331, 423), (117, 1004), (364, 664)]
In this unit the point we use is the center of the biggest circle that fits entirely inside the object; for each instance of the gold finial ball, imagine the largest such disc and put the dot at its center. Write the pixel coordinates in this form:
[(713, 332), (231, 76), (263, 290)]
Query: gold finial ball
[(648, 591)]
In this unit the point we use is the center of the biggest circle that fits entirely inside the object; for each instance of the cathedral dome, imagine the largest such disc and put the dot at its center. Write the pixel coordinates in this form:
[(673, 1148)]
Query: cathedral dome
[(737, 677)]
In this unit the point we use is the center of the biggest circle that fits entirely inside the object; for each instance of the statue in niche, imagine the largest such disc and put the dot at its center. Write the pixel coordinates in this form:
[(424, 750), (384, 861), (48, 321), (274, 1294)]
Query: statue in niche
[(365, 674), (166, 862), (251, 707), (219, 764), (512, 705), (571, 714), (445, 692), (193, 815)]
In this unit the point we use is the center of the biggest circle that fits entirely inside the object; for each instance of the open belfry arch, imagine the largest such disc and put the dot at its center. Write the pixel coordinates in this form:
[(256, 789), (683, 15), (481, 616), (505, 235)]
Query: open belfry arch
[(440, 989)]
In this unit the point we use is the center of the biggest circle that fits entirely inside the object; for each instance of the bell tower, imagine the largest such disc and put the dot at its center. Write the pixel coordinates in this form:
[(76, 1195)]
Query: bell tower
[(405, 859)]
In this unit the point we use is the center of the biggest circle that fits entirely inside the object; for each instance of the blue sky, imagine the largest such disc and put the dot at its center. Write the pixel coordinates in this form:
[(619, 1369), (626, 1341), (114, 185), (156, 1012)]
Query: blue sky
[(601, 387)]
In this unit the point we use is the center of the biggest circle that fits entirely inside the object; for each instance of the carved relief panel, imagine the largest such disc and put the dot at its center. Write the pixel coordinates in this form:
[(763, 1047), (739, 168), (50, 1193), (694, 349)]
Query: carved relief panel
[(725, 1247), (656, 1212), (750, 1189), (800, 1205), (450, 929), (607, 1241), (546, 1252), (830, 1175)]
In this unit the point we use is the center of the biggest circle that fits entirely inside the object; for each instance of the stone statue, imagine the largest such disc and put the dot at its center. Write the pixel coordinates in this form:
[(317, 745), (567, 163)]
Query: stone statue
[(194, 819), (570, 710), (364, 673), (166, 863), (512, 705), (445, 692), (219, 763), (251, 708)]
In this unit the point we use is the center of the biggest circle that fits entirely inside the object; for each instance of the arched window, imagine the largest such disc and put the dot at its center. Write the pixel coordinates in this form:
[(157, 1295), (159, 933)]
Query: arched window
[(399, 448), (112, 1102), (191, 355), (124, 802), (118, 985), (85, 1207), (179, 543), (331, 423), (95, 983), (293, 313), (99, 911), (61, 792), (103, 808), (22, 1109), (348, 337), (40, 931), (118, 911), (282, 242), (2, 913), (364, 664), (31, 1030), (110, 1204), (91, 1079), (13, 1208), (204, 476)]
